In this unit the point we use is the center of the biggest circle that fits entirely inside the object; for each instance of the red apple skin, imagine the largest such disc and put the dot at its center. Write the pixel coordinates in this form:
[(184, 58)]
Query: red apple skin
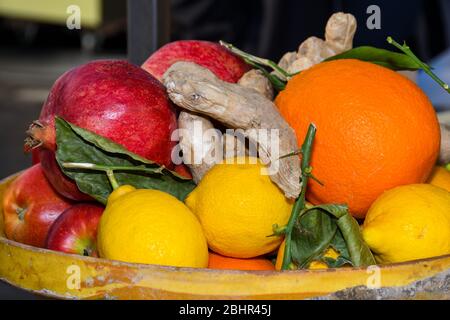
[(210, 55), (114, 99), (30, 206), (75, 231)]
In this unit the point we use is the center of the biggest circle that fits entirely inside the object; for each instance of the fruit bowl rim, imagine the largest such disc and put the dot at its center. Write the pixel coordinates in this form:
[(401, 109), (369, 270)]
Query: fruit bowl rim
[(33, 249), (189, 269)]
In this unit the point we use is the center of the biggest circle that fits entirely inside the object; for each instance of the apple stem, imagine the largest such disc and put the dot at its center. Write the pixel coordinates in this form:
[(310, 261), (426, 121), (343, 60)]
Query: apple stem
[(21, 213)]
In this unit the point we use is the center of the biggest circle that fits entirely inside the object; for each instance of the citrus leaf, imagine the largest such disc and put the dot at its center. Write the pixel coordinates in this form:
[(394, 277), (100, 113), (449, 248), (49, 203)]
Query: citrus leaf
[(358, 251), (311, 237), (324, 226), (389, 59), (75, 144), (338, 244), (360, 254), (337, 263)]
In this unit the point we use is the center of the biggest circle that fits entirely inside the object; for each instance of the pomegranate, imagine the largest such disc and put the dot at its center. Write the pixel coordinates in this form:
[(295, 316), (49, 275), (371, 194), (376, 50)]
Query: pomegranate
[(210, 55), (114, 99)]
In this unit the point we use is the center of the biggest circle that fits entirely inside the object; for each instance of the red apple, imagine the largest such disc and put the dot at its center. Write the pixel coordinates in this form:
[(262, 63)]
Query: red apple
[(30, 206), (75, 231), (210, 55), (114, 99)]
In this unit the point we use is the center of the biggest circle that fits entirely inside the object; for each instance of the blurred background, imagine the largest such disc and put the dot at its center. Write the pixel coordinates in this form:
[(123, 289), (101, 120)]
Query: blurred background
[(36, 46)]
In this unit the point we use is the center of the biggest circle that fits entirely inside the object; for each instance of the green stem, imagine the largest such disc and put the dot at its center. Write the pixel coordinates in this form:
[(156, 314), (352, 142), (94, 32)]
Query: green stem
[(109, 170), (406, 50), (277, 83), (257, 60), (97, 167), (300, 203), (112, 179)]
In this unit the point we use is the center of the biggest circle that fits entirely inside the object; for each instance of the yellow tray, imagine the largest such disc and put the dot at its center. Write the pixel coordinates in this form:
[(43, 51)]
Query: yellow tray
[(67, 276)]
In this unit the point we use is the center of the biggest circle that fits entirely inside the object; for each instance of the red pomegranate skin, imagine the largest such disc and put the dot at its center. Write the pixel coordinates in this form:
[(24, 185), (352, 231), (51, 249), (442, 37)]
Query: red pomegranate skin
[(114, 99), (65, 186), (210, 55)]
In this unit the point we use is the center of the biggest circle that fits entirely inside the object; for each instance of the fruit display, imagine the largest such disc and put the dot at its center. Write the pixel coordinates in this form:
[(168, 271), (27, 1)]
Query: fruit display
[(208, 157)]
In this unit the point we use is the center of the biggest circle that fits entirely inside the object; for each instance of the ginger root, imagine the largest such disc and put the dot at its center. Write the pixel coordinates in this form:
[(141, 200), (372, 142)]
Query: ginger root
[(256, 80), (339, 33), (195, 145), (199, 142), (198, 90)]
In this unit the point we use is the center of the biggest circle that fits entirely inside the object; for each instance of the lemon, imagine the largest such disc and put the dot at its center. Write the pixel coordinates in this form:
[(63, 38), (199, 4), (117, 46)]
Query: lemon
[(408, 223), (237, 205), (151, 227), (314, 265), (440, 177)]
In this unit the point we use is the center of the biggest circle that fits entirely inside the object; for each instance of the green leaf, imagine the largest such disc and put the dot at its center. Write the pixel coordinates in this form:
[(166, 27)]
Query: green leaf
[(328, 226), (75, 144), (311, 237), (338, 263), (382, 57), (359, 252), (339, 245)]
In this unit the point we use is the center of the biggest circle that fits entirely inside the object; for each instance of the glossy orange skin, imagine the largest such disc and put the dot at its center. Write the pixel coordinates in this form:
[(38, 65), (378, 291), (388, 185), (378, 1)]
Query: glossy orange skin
[(32, 193), (217, 261), (376, 130)]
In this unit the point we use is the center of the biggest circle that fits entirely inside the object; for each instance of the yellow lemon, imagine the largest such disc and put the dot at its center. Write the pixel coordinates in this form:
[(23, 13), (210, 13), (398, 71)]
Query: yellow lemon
[(152, 227), (408, 223), (440, 177), (314, 265), (237, 205)]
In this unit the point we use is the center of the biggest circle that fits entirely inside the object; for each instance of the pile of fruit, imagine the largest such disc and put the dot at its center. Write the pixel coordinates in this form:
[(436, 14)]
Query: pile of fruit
[(357, 181)]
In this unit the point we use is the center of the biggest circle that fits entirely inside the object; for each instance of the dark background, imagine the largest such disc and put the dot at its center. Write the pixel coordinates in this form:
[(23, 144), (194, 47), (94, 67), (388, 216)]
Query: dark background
[(34, 53)]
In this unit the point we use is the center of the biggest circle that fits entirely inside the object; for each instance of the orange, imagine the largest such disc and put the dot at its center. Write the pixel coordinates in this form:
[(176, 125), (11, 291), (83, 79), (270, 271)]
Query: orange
[(217, 261), (376, 130), (440, 177)]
